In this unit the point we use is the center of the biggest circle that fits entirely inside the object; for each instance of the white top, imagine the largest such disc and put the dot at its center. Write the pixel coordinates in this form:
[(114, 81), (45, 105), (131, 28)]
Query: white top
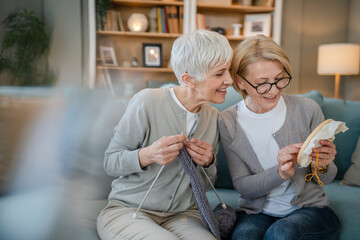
[(259, 129), (191, 118)]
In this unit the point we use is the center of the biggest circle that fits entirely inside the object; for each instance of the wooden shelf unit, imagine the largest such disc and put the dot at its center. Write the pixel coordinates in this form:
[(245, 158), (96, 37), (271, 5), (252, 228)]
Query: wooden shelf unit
[(234, 8), (129, 44), (142, 34), (137, 69), (136, 3)]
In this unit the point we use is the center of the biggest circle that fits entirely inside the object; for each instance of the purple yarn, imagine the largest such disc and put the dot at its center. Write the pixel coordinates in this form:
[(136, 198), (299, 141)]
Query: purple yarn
[(226, 219), (202, 202)]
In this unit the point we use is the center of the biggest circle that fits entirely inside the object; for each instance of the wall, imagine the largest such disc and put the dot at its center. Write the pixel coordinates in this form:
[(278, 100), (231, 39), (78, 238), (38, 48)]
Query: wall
[(308, 24), (351, 84), (64, 19)]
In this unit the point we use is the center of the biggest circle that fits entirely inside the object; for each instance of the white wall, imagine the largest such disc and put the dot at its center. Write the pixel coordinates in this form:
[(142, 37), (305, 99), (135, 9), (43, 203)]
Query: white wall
[(308, 24), (351, 84), (64, 19)]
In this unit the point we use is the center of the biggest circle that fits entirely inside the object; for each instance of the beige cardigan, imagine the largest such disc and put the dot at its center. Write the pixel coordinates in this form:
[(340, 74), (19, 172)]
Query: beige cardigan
[(150, 115)]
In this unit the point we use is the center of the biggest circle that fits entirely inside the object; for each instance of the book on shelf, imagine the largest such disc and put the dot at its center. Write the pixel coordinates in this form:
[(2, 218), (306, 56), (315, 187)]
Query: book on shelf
[(172, 19), (175, 18), (120, 22), (169, 19), (181, 18), (114, 25), (164, 21), (108, 23), (200, 21), (159, 24), (114, 21)]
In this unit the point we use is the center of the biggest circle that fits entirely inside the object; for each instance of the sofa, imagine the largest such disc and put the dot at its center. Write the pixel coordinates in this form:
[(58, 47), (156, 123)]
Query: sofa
[(52, 143)]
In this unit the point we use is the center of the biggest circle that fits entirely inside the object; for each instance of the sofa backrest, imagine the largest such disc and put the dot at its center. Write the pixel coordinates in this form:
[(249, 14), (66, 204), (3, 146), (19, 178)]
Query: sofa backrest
[(88, 119), (42, 140), (348, 112), (337, 109)]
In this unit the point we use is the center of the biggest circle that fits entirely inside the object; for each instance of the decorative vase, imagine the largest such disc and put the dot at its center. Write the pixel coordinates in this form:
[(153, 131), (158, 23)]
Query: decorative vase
[(237, 27), (137, 22)]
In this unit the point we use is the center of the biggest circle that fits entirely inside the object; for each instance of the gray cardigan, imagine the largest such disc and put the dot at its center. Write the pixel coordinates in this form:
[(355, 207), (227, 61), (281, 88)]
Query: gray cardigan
[(250, 179), (150, 115)]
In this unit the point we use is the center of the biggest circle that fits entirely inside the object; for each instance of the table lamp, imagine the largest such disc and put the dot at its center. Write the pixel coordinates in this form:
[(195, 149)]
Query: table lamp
[(338, 59)]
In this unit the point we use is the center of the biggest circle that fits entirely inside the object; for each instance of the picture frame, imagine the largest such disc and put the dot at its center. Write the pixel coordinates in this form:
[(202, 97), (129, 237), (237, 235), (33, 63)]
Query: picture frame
[(107, 55), (255, 24), (152, 55)]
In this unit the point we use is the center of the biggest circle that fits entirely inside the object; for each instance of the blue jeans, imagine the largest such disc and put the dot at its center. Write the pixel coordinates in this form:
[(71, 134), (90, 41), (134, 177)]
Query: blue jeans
[(306, 224)]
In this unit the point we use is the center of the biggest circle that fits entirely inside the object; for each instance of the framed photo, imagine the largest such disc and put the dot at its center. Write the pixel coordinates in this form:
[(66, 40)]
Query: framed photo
[(108, 56), (255, 24), (152, 55)]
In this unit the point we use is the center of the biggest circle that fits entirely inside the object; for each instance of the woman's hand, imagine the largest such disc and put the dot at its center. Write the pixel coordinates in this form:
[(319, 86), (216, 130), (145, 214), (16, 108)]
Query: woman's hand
[(200, 151), (287, 159), (327, 152), (162, 151)]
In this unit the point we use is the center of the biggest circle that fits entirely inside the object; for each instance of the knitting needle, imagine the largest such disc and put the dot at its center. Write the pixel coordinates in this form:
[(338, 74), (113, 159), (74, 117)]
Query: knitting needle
[(147, 193), (223, 205)]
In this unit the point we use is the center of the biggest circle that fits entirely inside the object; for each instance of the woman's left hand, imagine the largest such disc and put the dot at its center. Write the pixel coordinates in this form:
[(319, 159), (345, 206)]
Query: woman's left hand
[(200, 151), (327, 152)]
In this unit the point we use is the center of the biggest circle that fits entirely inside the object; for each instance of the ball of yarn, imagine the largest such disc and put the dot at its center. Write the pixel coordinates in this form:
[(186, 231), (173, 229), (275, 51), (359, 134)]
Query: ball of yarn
[(226, 219)]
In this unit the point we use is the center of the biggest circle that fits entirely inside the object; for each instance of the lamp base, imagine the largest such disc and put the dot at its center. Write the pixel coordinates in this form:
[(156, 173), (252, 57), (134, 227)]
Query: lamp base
[(337, 85)]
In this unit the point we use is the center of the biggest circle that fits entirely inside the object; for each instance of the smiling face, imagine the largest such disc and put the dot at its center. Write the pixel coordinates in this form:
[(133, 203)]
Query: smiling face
[(212, 89), (264, 71)]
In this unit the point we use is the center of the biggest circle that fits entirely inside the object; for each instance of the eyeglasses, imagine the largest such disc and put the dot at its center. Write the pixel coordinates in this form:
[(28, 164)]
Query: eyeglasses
[(266, 87)]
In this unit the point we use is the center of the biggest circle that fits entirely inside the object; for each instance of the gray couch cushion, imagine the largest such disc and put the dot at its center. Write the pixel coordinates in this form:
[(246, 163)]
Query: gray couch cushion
[(89, 123), (352, 175), (345, 201)]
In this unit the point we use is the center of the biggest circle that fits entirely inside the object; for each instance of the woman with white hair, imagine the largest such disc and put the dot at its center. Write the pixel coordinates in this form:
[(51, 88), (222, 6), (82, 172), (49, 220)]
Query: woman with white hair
[(142, 155)]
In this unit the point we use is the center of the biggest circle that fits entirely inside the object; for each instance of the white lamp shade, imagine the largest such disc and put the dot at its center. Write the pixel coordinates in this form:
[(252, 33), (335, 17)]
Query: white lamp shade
[(137, 22), (338, 58)]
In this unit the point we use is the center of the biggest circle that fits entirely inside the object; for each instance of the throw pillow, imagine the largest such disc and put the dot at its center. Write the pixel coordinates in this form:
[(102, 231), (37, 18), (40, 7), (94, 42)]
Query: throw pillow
[(352, 175)]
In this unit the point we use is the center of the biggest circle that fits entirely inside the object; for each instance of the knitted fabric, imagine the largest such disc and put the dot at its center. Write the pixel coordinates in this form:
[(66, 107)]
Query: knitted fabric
[(202, 202)]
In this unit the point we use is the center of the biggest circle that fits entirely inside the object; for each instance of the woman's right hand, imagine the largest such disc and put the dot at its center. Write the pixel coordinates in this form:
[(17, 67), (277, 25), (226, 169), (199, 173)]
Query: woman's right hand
[(287, 159), (162, 151)]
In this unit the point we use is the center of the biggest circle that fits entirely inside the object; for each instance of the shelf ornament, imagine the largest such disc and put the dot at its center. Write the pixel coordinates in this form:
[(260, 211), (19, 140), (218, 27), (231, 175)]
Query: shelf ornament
[(137, 22)]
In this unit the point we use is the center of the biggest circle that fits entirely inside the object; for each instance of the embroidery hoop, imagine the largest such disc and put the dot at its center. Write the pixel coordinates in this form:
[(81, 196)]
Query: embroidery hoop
[(307, 141)]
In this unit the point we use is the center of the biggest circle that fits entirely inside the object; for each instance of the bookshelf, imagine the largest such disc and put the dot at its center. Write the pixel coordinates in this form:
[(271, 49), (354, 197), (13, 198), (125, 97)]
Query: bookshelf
[(128, 45), (140, 34), (235, 8)]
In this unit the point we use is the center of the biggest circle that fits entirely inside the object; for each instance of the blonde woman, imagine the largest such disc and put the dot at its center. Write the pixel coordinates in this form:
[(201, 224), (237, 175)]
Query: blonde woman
[(262, 136)]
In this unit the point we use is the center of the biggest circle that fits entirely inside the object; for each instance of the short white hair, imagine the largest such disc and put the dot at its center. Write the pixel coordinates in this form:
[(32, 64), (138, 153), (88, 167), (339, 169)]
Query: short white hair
[(197, 52)]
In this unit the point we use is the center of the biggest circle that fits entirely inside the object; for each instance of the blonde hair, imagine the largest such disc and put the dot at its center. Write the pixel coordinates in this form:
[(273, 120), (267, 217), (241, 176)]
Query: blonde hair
[(255, 49)]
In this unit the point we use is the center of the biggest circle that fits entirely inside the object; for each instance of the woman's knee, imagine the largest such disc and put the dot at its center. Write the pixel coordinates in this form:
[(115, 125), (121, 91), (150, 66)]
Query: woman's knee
[(282, 231)]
